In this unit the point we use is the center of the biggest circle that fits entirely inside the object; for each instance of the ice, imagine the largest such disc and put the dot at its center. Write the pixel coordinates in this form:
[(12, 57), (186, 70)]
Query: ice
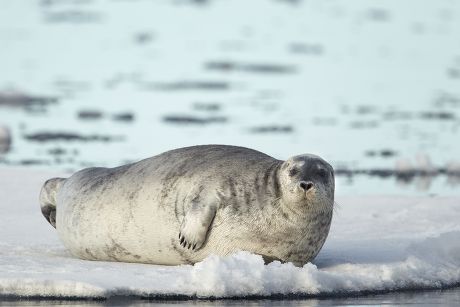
[(376, 243)]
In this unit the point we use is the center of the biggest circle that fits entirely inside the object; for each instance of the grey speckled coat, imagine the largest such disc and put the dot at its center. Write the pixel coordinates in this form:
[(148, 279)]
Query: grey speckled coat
[(185, 204)]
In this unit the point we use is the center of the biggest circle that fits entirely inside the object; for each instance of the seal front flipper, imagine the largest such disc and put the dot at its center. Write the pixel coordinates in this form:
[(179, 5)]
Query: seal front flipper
[(196, 223)]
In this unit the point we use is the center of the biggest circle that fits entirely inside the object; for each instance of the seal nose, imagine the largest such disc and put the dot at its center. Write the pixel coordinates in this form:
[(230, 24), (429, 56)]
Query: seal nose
[(306, 185)]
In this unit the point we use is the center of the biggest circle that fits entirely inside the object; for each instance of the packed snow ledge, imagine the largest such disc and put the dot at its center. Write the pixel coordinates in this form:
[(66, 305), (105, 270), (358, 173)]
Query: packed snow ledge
[(375, 244)]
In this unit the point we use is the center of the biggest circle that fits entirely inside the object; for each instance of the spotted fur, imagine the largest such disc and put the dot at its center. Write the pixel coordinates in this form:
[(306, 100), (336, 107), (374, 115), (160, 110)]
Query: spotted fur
[(185, 204)]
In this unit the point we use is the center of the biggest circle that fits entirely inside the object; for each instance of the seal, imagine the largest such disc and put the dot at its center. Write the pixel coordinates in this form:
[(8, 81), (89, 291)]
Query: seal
[(183, 205)]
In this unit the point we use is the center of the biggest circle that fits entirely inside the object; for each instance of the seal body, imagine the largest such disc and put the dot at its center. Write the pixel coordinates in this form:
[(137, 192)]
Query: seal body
[(185, 204)]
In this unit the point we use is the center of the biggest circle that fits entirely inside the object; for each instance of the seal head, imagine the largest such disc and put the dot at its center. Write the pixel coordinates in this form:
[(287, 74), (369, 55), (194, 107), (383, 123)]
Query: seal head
[(305, 205), (307, 183)]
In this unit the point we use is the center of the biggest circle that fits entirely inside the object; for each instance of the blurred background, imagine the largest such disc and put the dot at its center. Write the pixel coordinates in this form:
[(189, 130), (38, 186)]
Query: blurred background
[(371, 86)]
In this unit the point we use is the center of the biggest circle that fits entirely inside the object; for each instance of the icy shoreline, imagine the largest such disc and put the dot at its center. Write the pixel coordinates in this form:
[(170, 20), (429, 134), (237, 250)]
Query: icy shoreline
[(377, 244)]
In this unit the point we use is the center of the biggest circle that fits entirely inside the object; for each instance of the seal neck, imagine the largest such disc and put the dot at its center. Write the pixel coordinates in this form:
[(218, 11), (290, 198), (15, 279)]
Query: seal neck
[(273, 185)]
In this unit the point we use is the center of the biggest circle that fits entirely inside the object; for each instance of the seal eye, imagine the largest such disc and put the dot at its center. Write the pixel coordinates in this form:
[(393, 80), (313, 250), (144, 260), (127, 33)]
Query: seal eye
[(322, 172), (293, 172)]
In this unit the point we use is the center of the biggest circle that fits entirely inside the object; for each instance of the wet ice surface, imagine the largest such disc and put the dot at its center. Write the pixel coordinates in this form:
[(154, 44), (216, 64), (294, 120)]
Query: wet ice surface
[(368, 86), (450, 297), (376, 244)]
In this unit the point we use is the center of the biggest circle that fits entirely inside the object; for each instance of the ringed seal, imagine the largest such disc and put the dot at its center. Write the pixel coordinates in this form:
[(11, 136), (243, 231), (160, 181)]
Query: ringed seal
[(183, 205)]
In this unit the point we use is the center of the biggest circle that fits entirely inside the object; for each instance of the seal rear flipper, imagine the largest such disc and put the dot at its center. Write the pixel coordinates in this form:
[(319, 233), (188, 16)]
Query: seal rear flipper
[(195, 225), (48, 195)]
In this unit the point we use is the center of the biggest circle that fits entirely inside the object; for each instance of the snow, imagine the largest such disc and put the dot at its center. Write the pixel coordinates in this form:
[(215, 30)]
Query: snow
[(376, 244)]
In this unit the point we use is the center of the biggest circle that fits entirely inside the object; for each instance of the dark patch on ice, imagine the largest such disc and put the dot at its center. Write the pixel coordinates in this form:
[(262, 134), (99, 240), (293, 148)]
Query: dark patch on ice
[(192, 2), (51, 3), (378, 14), (418, 28), (63, 136), (143, 38), (58, 151), (72, 16), (363, 124), (398, 115), (33, 162), (438, 115), (324, 121), (18, 99), (207, 106), (291, 2), (90, 114), (384, 153), (306, 48), (272, 129), (123, 117), (187, 85), (446, 99), (5, 140), (263, 68), (422, 177), (365, 109), (194, 120), (372, 172), (453, 71)]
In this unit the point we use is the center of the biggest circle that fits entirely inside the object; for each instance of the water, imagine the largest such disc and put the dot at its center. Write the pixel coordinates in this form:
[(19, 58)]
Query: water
[(450, 297), (367, 86)]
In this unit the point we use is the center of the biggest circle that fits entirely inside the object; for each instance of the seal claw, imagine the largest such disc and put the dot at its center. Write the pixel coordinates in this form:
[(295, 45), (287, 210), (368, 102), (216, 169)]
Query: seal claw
[(196, 223)]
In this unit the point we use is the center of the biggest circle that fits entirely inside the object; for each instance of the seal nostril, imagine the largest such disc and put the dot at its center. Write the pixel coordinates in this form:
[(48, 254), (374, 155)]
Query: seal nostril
[(306, 185)]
